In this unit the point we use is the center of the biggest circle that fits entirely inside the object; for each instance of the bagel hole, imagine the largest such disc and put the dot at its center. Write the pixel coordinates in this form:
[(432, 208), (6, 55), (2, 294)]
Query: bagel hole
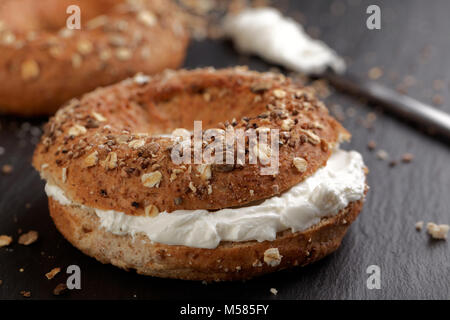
[(212, 105)]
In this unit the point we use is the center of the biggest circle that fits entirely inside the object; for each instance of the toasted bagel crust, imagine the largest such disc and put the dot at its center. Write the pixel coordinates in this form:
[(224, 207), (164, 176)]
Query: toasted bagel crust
[(229, 261), (92, 148), (43, 65)]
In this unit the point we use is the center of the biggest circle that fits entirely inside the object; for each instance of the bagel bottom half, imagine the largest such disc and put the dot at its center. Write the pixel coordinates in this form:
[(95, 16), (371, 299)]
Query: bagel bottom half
[(229, 261)]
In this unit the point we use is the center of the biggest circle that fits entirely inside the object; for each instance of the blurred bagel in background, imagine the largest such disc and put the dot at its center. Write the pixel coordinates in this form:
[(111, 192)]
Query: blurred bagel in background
[(43, 63)]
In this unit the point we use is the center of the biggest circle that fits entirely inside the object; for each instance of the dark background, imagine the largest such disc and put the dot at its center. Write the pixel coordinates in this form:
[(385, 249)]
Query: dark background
[(414, 42)]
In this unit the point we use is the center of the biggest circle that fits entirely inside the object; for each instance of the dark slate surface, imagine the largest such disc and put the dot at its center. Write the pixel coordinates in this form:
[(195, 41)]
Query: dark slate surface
[(414, 41)]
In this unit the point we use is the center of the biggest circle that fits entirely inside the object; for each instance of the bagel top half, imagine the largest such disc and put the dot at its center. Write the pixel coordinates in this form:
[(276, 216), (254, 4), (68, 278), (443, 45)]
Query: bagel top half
[(107, 150), (44, 63)]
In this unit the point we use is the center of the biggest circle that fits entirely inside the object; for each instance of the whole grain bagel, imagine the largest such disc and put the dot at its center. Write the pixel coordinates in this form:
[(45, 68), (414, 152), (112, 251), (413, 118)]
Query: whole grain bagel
[(44, 64), (109, 151)]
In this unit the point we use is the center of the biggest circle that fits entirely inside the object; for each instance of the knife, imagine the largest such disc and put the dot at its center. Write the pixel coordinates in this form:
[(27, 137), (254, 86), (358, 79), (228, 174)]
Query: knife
[(437, 122)]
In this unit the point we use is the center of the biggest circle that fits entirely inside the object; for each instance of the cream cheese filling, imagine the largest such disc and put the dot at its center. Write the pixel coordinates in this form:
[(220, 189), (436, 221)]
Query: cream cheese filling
[(329, 190)]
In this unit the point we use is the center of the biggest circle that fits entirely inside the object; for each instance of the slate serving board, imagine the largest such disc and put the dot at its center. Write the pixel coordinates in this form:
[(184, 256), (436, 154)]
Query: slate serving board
[(414, 41)]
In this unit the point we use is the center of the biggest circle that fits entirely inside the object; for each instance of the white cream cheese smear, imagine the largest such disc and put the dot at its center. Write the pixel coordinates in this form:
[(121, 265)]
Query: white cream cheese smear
[(277, 39), (329, 190)]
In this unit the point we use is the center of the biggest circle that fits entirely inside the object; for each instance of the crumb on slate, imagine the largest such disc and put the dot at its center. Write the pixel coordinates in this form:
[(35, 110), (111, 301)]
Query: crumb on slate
[(25, 294), (52, 273), (382, 154), (28, 238), (438, 232), (5, 240), (372, 145), (419, 225), (7, 169), (393, 163), (375, 73), (438, 100), (407, 157), (60, 289)]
